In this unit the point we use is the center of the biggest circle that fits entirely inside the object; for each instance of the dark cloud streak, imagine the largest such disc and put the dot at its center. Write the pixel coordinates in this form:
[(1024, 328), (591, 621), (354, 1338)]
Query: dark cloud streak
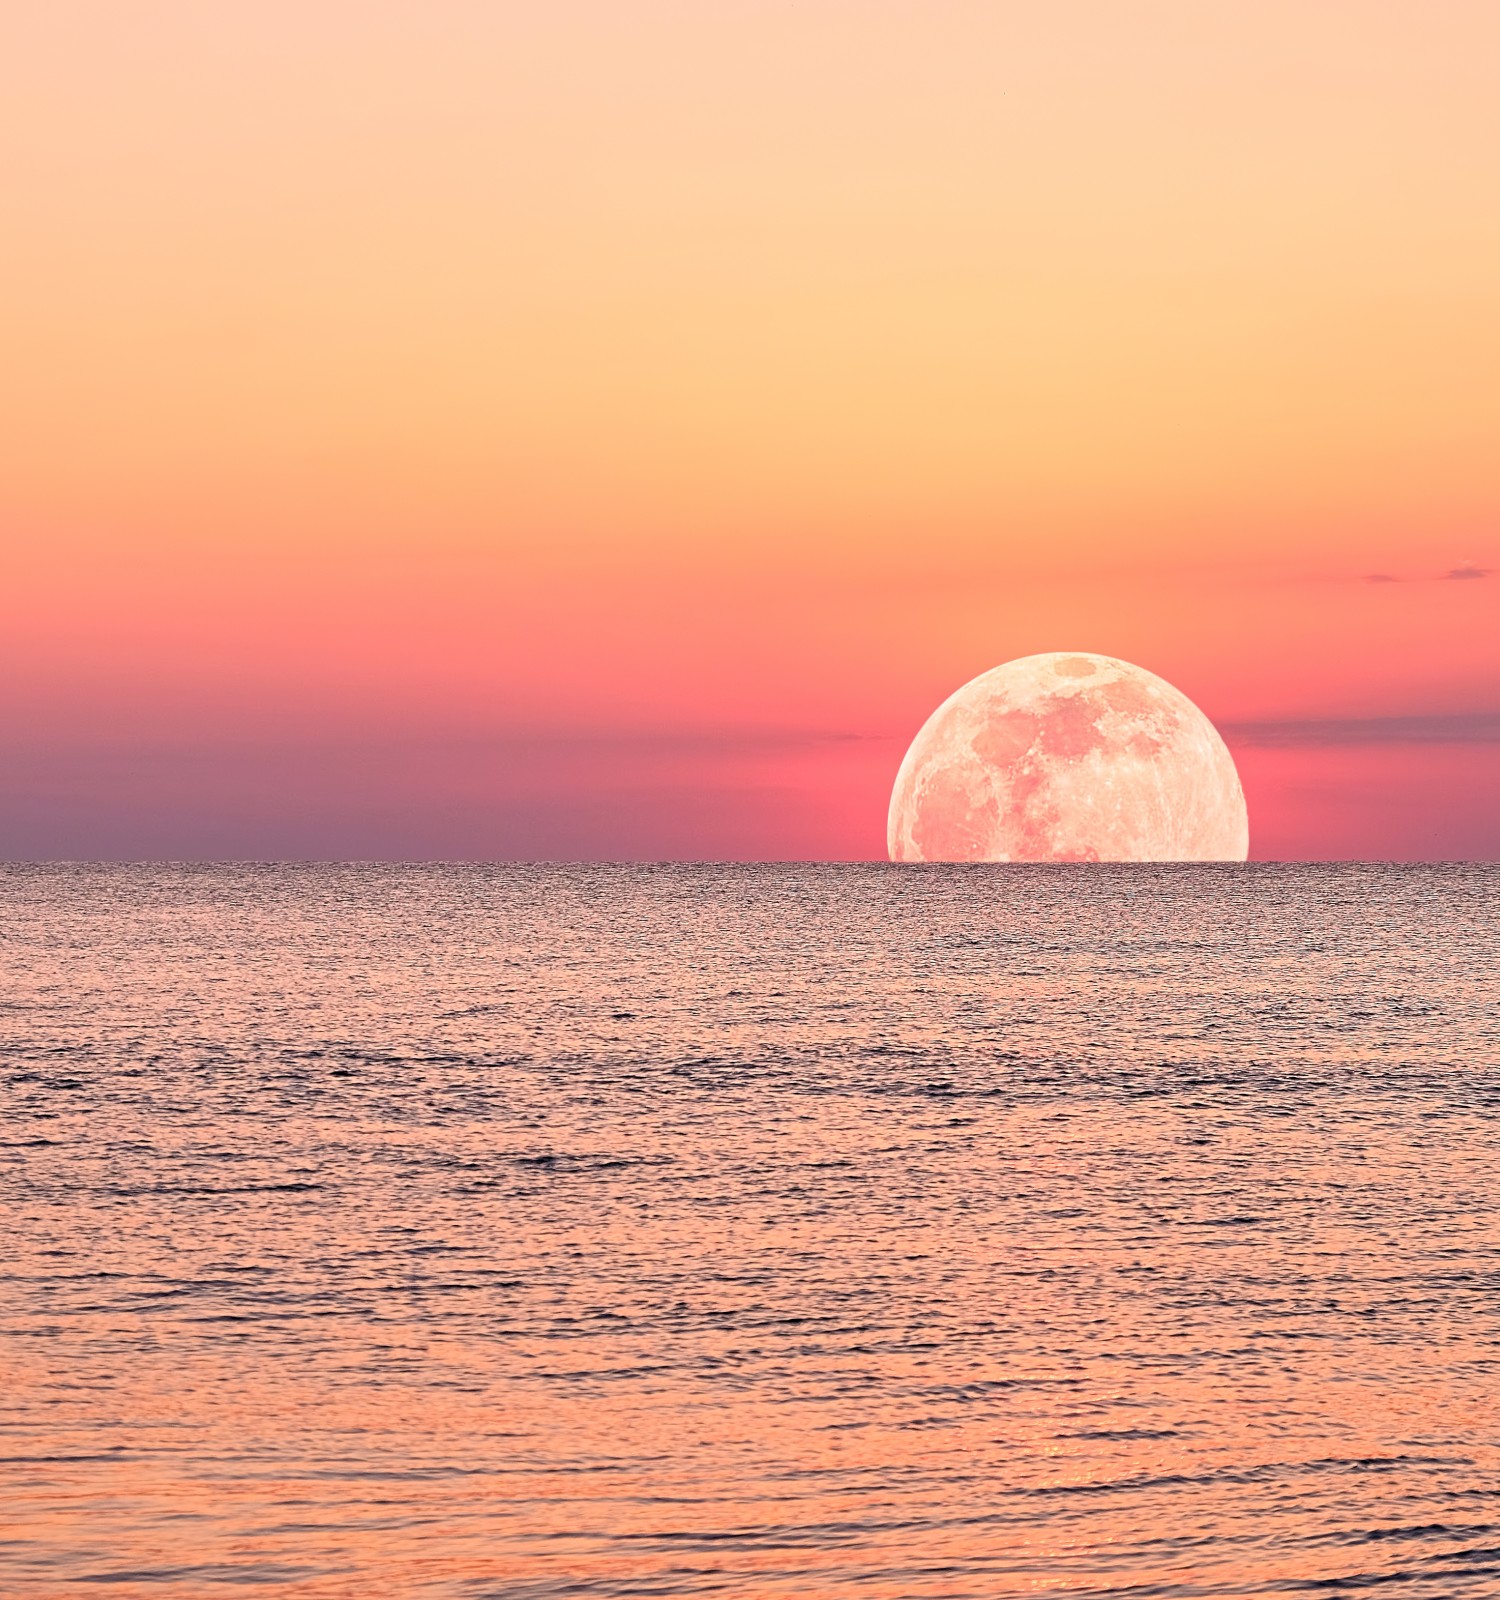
[(1454, 574), (1424, 728)]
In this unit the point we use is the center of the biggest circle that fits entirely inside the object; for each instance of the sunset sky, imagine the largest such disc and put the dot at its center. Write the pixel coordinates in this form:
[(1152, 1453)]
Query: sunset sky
[(609, 427)]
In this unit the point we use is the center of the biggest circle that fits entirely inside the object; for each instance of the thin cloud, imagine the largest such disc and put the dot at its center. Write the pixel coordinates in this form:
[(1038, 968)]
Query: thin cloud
[(1463, 727), (683, 741), (1465, 570)]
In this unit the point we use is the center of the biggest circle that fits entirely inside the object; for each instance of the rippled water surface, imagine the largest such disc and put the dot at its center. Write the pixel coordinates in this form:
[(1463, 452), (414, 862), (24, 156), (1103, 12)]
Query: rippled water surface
[(764, 1231)]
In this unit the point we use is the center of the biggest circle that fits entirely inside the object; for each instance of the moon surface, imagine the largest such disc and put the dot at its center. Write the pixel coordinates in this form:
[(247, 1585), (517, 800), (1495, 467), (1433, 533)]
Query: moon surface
[(1068, 757)]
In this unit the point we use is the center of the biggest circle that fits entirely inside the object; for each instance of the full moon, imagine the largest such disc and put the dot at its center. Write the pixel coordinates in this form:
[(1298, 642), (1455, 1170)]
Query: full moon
[(1068, 758)]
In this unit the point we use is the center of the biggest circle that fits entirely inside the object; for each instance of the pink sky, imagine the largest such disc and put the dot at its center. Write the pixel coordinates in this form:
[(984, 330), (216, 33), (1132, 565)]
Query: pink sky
[(585, 430)]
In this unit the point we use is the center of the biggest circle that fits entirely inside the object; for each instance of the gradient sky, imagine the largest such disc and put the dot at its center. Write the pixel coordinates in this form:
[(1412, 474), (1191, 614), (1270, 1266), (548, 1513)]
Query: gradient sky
[(609, 427)]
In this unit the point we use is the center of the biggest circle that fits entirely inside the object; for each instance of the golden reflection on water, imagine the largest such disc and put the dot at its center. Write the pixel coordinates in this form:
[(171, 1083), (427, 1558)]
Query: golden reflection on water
[(785, 1231)]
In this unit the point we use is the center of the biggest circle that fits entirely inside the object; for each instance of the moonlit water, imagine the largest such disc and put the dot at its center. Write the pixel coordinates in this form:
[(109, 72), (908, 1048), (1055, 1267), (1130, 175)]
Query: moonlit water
[(751, 1231)]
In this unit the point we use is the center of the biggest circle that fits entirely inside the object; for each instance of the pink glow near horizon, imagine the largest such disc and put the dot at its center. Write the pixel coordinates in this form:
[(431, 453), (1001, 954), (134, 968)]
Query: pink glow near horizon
[(504, 434)]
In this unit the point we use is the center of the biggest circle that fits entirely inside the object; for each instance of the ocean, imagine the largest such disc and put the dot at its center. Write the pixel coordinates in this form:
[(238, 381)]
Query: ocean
[(817, 1231)]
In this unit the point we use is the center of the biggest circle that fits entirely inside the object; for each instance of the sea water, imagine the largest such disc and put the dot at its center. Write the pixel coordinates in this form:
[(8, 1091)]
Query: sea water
[(749, 1231)]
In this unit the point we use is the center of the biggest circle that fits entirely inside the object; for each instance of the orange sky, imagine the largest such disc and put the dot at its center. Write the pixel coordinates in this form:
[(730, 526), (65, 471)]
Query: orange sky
[(487, 429)]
